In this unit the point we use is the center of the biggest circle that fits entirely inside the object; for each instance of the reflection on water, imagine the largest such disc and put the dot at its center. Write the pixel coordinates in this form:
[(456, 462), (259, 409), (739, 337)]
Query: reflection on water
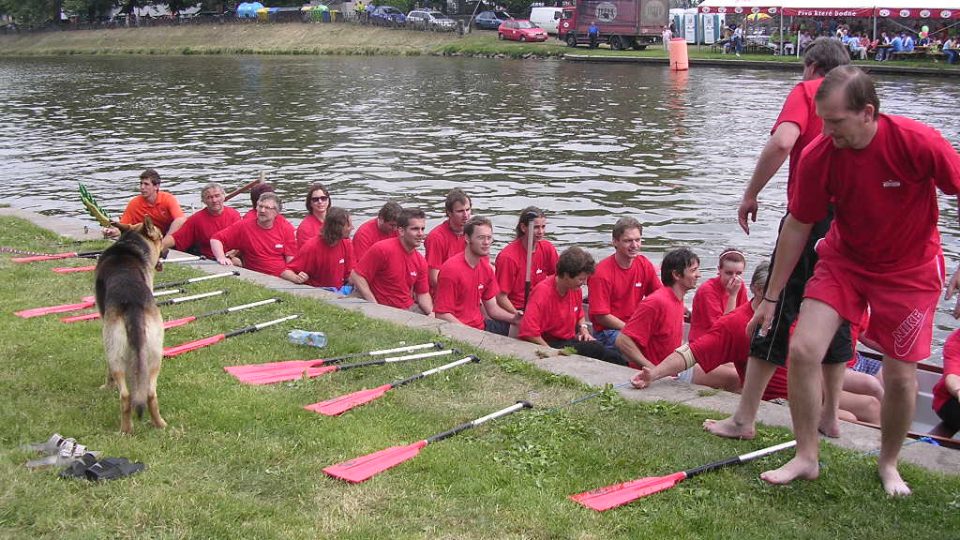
[(589, 143)]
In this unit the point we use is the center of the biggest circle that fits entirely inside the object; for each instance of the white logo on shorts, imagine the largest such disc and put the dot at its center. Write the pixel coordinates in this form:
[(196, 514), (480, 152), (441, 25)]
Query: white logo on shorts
[(891, 183), (905, 336)]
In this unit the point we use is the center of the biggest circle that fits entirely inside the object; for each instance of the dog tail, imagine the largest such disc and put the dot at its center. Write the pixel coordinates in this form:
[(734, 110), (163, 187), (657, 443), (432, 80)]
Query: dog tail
[(139, 378)]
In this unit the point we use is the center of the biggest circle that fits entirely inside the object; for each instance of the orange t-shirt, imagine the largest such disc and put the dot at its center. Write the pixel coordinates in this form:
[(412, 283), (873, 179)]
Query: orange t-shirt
[(162, 213)]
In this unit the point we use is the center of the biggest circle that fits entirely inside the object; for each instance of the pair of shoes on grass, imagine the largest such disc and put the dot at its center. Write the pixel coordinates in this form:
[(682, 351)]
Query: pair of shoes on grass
[(58, 452), (106, 469)]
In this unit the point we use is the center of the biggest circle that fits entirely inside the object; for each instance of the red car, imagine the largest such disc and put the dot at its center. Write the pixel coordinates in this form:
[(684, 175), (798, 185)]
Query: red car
[(521, 30)]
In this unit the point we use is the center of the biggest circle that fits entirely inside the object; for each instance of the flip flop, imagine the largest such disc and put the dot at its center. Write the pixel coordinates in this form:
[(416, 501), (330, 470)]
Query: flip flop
[(112, 468), (77, 468)]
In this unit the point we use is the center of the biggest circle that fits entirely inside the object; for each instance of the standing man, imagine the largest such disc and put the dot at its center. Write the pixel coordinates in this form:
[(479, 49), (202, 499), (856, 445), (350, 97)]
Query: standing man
[(467, 280), (267, 243), (195, 234), (446, 239), (621, 281), (392, 272), (593, 32), (382, 227), (883, 252), (161, 206)]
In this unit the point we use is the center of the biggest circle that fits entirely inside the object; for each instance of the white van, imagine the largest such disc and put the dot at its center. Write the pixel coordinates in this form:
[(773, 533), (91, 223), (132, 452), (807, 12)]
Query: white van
[(546, 18)]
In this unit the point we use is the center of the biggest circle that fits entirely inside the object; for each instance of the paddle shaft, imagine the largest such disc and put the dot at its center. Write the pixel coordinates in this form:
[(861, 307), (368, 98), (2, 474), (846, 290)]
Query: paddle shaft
[(738, 459), (195, 280), (530, 242), (238, 308), (468, 425), (409, 348), (590, 396), (434, 371), (245, 188), (261, 326), (394, 359), (182, 299)]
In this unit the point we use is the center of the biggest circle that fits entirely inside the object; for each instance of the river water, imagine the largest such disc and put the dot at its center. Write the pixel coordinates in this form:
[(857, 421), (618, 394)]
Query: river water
[(587, 142)]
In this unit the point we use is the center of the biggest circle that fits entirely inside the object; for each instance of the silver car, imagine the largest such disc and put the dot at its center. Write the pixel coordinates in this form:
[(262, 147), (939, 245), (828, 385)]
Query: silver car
[(431, 20)]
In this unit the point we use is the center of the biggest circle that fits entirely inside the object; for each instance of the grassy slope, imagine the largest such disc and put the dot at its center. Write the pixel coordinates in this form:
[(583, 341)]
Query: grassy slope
[(245, 461)]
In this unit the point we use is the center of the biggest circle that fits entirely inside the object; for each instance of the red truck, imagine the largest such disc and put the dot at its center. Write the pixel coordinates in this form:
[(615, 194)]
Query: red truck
[(622, 23)]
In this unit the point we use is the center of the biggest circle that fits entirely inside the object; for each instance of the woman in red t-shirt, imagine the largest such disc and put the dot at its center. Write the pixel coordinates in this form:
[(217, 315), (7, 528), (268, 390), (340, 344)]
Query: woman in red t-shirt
[(318, 202)]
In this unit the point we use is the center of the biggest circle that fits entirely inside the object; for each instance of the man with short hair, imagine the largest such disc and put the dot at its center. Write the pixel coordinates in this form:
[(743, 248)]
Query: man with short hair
[(882, 251), (382, 227), (268, 243), (656, 327), (393, 271), (467, 280), (161, 206), (195, 234), (446, 239), (621, 281)]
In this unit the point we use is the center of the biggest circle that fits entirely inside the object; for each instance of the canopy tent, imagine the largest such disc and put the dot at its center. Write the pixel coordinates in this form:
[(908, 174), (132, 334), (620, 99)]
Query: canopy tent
[(902, 9)]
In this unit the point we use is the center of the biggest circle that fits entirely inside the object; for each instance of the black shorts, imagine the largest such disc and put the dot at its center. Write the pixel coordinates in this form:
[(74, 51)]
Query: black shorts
[(950, 414), (592, 349), (773, 347)]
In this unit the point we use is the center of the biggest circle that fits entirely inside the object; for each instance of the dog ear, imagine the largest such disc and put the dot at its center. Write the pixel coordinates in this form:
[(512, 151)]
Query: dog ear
[(122, 227)]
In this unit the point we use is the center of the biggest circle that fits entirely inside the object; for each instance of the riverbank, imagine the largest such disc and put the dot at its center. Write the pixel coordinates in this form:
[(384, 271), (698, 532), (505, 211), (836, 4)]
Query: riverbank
[(245, 461), (351, 39)]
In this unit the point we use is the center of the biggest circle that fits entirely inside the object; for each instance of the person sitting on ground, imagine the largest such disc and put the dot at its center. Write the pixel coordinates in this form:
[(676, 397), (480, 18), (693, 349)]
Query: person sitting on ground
[(446, 239), (255, 193), (467, 281), (325, 260), (393, 272), (318, 202), (267, 243), (656, 328), (621, 281), (195, 234), (554, 315), (947, 390), (162, 207), (512, 262), (382, 227), (719, 295)]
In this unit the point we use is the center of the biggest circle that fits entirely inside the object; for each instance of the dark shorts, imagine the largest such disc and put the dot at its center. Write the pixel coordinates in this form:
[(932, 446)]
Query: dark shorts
[(497, 327), (773, 347), (950, 414), (592, 349)]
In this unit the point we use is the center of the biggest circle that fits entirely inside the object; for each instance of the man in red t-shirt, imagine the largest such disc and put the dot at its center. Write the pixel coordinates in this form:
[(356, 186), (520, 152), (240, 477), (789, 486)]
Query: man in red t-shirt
[(195, 234), (512, 260), (161, 206), (947, 390), (466, 281), (382, 227), (392, 272), (883, 251), (267, 243), (621, 281), (446, 239), (656, 328), (325, 260)]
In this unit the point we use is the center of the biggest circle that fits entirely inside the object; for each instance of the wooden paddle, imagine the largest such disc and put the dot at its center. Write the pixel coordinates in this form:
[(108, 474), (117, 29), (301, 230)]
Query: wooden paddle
[(245, 188)]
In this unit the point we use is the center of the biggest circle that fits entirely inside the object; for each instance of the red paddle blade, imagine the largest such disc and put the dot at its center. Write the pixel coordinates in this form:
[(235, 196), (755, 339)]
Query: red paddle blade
[(616, 495), (81, 318), (342, 404), (193, 345), (87, 302), (271, 366), (74, 269), (178, 322), (281, 375), (365, 467), (36, 258)]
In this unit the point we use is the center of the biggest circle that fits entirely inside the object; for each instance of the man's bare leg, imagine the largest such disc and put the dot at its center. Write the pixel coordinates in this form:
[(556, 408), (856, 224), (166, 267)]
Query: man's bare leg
[(832, 387), (742, 425), (896, 414), (817, 323), (723, 377)]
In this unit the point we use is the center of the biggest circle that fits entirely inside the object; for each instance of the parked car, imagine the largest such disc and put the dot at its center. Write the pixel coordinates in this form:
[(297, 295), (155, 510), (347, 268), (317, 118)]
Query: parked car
[(521, 30), (431, 20), (490, 20), (547, 18), (387, 16)]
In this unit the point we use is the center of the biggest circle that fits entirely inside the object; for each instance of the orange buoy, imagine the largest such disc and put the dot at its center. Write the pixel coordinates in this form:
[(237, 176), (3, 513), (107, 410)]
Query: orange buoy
[(678, 54)]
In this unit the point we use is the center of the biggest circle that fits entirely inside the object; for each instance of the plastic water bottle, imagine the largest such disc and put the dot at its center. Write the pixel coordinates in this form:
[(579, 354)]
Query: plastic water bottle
[(304, 337)]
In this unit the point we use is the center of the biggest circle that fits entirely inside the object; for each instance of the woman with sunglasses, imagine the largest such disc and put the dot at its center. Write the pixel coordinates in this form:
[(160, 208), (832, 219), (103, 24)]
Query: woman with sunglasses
[(318, 202)]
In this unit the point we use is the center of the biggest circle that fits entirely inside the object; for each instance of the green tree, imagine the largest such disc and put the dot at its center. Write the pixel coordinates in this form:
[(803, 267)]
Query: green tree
[(89, 9), (32, 13)]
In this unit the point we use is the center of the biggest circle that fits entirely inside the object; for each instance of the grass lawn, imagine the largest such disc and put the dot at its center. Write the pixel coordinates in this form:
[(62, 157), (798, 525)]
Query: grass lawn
[(245, 462)]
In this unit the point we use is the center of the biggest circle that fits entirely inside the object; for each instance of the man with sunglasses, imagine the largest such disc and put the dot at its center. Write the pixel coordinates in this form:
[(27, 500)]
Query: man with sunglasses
[(267, 243)]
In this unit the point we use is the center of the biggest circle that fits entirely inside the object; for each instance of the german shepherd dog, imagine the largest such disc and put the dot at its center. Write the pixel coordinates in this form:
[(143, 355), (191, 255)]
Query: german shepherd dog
[(132, 326)]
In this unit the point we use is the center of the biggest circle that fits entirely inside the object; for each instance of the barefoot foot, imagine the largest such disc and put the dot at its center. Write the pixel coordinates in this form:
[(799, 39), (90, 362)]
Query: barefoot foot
[(730, 429), (893, 484), (829, 427), (794, 469)]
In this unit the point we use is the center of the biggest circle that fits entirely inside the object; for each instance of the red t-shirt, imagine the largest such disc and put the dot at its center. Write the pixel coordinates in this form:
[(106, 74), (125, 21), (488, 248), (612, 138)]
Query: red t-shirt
[(512, 268), (200, 227), (460, 289), (708, 304), (327, 266), (367, 235), (617, 291), (885, 194), (800, 109), (441, 244), (162, 213), (951, 366), (263, 250), (392, 273), (309, 228), (549, 315), (727, 341), (657, 325)]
